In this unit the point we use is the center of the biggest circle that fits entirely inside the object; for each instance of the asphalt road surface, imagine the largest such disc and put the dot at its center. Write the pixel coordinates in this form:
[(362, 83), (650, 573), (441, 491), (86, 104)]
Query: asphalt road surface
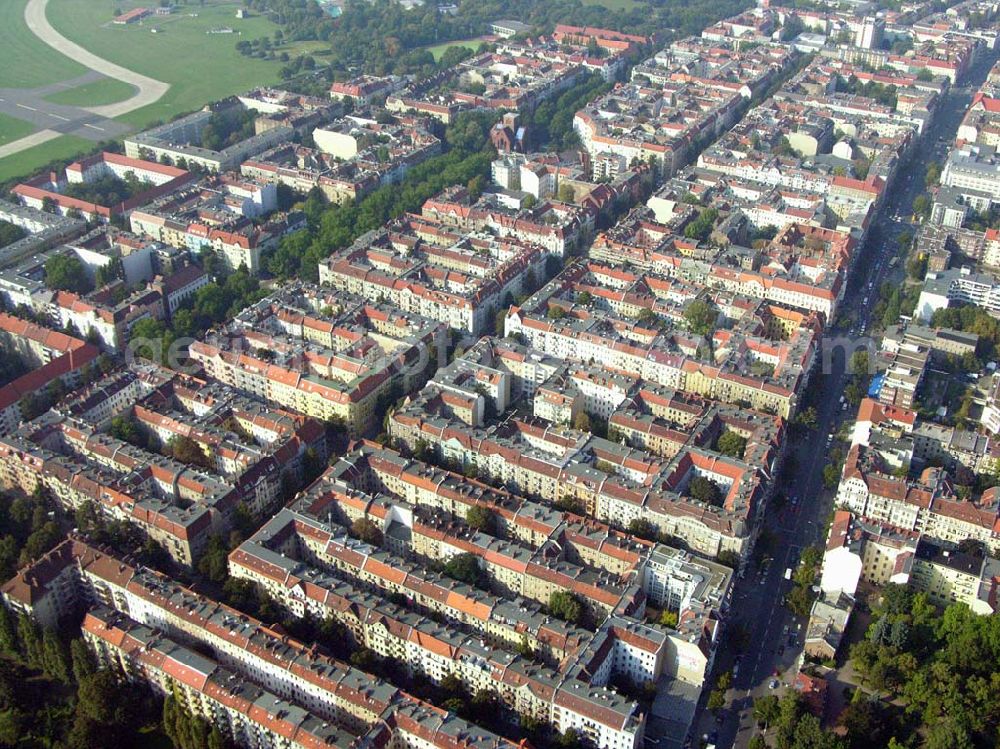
[(53, 120), (757, 603)]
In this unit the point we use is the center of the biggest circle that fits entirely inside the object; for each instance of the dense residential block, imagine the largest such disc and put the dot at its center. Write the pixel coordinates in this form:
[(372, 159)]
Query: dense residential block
[(332, 356)]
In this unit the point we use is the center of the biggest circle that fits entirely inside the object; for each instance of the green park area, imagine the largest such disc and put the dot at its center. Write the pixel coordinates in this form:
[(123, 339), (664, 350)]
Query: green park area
[(193, 49), (439, 49), (31, 62)]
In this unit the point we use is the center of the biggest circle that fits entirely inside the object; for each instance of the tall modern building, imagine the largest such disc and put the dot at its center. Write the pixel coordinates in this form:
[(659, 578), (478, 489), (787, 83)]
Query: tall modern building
[(869, 36)]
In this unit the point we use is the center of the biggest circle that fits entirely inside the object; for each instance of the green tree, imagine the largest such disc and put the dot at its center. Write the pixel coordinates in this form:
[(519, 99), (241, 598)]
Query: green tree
[(186, 450), (104, 700), (859, 363), (933, 174), (732, 444), (465, 568), (364, 659), (8, 632), (799, 600), (66, 273), (853, 393), (481, 518), (701, 316), (569, 739), (55, 658), (807, 417), (701, 227), (948, 733), (643, 529), (366, 530), (81, 659), (765, 710), (150, 339), (704, 490), (124, 427), (10, 233), (716, 700), (31, 642), (214, 563), (566, 606)]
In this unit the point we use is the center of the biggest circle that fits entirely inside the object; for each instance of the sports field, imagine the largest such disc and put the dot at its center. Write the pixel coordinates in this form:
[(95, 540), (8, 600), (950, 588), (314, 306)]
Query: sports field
[(199, 65), (104, 91)]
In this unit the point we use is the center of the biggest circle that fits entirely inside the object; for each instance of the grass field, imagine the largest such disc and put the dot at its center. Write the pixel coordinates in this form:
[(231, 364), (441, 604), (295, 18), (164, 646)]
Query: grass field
[(315, 48), (615, 4), (24, 163), (29, 62), (104, 91), (199, 66), (438, 49), (12, 128)]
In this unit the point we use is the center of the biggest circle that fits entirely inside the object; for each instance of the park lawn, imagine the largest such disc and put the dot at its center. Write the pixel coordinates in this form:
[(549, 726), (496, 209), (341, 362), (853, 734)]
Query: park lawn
[(312, 47), (12, 128), (104, 91), (438, 49), (29, 61), (200, 67), (26, 162)]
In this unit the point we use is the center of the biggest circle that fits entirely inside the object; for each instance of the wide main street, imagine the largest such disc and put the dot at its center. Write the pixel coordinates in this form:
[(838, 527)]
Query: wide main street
[(757, 606)]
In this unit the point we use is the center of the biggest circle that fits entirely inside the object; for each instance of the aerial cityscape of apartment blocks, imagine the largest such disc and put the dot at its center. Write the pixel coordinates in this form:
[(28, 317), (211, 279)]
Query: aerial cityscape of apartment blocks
[(578, 391)]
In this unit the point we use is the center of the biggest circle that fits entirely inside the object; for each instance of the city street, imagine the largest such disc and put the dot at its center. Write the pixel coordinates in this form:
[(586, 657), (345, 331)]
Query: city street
[(757, 603)]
